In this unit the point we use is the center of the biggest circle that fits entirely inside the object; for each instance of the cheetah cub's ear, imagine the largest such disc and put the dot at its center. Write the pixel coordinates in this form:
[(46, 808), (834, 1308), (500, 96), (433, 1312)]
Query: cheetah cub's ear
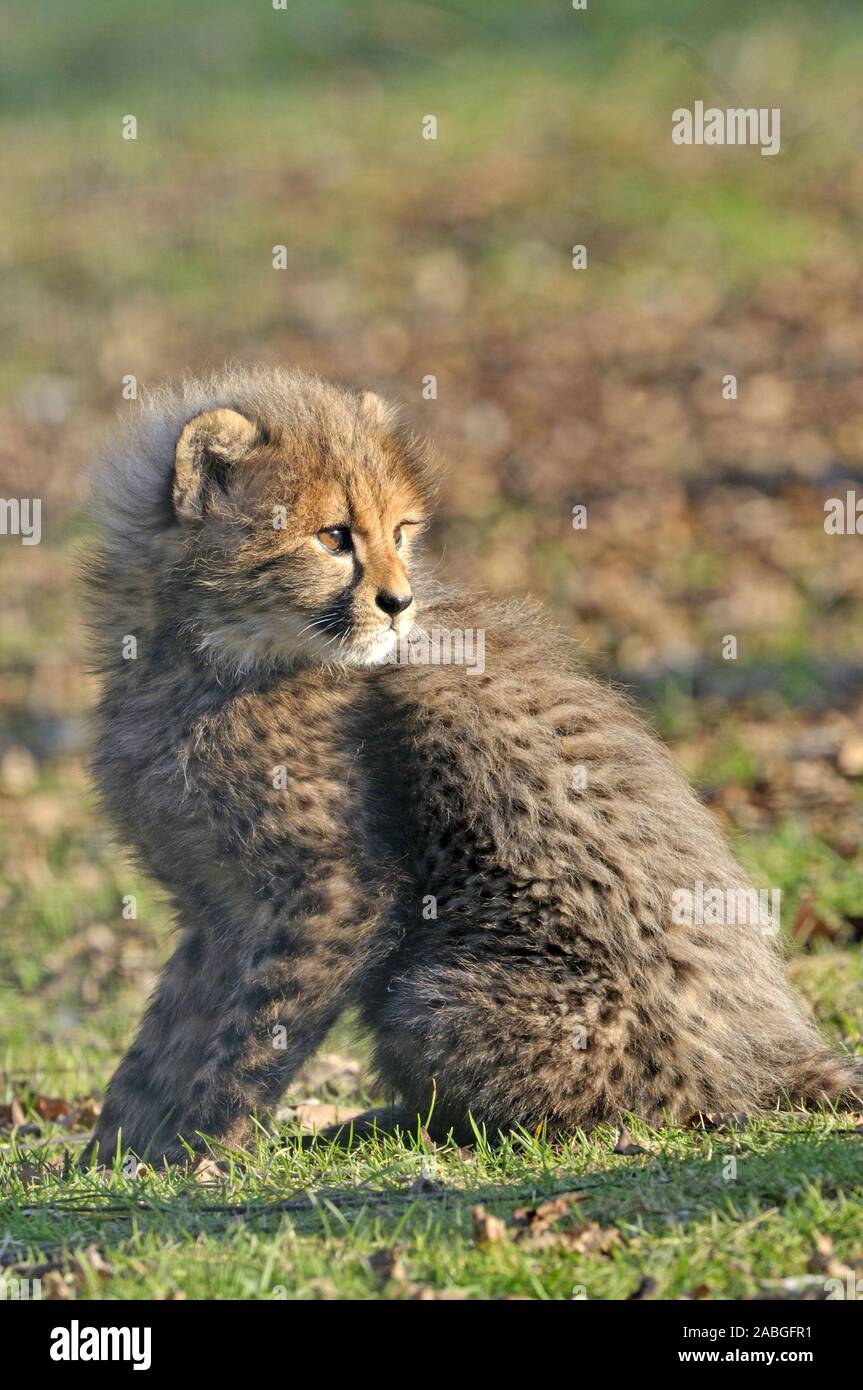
[(376, 410), (209, 446)]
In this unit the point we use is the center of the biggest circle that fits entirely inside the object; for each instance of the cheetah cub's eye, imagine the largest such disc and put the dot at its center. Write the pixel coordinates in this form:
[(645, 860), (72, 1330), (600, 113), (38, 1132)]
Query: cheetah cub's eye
[(397, 537), (335, 539)]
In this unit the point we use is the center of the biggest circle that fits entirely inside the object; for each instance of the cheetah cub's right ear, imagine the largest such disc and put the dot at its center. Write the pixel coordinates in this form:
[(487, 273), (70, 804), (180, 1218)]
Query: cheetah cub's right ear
[(376, 410), (209, 447)]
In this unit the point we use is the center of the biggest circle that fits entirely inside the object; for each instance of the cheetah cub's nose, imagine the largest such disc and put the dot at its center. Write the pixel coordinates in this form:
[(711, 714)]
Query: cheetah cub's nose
[(393, 603)]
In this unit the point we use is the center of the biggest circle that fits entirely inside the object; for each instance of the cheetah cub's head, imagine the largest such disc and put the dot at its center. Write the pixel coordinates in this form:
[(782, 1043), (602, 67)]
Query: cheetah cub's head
[(295, 534)]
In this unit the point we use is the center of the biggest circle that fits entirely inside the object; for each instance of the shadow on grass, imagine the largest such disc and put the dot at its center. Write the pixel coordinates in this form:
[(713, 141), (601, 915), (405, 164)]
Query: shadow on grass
[(733, 1175)]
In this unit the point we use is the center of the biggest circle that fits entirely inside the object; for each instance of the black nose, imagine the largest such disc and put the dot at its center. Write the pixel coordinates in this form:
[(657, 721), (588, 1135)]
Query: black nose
[(393, 603)]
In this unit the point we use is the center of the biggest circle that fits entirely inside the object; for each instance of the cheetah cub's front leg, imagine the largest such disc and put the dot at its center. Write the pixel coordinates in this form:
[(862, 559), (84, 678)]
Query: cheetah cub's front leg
[(229, 1025)]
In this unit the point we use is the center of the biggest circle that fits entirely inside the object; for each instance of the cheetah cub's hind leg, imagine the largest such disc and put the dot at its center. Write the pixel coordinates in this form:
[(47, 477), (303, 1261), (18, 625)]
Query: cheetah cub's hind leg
[(471, 1045)]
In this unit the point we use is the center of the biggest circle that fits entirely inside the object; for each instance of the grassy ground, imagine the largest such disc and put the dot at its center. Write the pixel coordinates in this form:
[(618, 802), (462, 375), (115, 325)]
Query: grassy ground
[(603, 387), (725, 1214)]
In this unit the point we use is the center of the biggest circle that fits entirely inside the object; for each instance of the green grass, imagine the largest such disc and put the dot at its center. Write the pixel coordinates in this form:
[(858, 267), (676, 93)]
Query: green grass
[(703, 1214), (799, 864)]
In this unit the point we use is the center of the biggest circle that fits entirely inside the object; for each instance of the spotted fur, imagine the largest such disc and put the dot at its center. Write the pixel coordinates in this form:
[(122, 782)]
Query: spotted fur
[(336, 830)]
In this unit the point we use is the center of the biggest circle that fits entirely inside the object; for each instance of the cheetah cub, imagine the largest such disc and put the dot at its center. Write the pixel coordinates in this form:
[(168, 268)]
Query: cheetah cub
[(486, 859)]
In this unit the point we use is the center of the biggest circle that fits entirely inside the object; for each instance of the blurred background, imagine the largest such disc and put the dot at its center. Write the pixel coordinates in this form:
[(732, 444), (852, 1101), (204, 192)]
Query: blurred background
[(407, 258)]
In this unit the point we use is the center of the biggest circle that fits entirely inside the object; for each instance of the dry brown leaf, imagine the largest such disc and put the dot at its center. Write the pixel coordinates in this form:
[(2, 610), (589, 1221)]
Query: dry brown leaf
[(30, 1173), (809, 925), (387, 1266), (625, 1145), (313, 1116), (590, 1239), (84, 1113), (66, 1277), (94, 1261), (850, 758), (538, 1227), (716, 1119), (487, 1228), (534, 1220), (13, 1116), (823, 1260), (203, 1169), (51, 1107), (57, 1286)]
